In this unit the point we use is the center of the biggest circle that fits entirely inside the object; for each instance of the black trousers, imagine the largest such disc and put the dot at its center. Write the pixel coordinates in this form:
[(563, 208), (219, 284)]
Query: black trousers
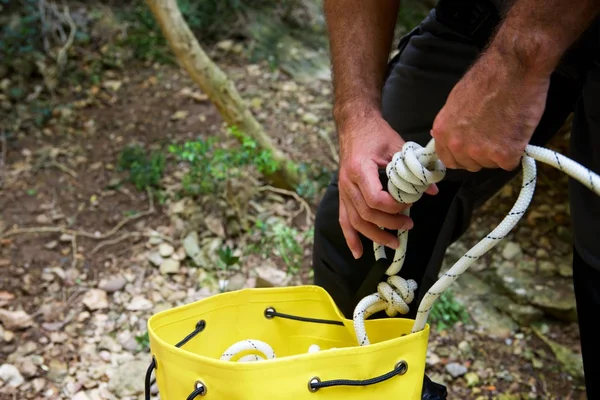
[(431, 59)]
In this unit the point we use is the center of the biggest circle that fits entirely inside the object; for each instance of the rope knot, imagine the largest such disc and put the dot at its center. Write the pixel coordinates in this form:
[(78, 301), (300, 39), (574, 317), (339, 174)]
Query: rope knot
[(398, 293), (412, 170)]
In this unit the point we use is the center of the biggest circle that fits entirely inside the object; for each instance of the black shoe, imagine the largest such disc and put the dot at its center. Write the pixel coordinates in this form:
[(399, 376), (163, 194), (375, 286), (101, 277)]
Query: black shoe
[(433, 391)]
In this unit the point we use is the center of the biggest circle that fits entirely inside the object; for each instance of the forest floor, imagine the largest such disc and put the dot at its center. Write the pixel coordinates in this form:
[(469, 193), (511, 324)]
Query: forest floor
[(97, 256)]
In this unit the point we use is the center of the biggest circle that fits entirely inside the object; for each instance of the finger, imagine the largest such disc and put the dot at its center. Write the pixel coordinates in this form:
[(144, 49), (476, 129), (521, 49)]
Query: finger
[(371, 230), (432, 189), (445, 156), (486, 162), (372, 191), (466, 162), (379, 218), (350, 234)]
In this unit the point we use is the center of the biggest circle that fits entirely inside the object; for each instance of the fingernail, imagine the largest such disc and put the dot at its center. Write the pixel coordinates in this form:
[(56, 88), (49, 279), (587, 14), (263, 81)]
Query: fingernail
[(355, 254), (393, 244), (408, 225)]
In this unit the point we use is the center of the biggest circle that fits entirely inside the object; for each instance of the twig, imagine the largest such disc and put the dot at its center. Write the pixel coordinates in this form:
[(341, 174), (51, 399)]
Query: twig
[(3, 158), (42, 11), (303, 204), (64, 168), (116, 240), (74, 244), (61, 58)]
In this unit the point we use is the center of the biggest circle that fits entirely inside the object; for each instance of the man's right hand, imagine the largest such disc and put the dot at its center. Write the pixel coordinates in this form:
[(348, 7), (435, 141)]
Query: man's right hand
[(366, 146)]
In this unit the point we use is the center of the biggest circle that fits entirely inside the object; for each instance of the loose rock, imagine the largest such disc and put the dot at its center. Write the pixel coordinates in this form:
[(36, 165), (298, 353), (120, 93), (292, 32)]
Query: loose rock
[(112, 284), (165, 250), (456, 370), (169, 266), (95, 299), (10, 375), (512, 251), (15, 320), (268, 276), (139, 303)]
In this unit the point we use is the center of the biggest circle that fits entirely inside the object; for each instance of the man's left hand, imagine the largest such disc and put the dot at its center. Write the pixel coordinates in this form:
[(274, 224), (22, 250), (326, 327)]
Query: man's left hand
[(490, 115)]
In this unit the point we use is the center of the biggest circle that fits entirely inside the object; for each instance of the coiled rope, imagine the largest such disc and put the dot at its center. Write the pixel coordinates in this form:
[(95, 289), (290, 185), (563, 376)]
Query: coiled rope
[(410, 173)]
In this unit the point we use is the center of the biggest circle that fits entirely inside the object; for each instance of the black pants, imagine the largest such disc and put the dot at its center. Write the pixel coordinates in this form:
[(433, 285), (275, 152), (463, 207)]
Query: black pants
[(432, 58)]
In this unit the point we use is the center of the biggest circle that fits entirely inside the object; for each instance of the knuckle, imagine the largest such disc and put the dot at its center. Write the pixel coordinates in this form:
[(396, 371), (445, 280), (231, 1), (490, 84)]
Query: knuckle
[(455, 145), (355, 220), (365, 211)]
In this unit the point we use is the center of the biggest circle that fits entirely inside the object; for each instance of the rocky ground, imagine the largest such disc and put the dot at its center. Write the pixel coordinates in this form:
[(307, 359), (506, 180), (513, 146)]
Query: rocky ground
[(86, 258)]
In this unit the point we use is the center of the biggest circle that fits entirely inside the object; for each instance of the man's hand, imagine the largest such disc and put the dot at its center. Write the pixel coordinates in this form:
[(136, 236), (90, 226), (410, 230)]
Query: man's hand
[(490, 115), (366, 146), (492, 112)]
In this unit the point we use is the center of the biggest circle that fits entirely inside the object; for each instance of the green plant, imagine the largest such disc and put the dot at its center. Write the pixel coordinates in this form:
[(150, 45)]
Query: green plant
[(145, 171), (143, 341), (447, 312), (277, 238), (211, 164), (21, 35), (226, 258)]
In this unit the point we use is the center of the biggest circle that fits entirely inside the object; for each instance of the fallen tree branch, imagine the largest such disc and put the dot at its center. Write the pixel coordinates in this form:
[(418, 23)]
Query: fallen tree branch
[(219, 88)]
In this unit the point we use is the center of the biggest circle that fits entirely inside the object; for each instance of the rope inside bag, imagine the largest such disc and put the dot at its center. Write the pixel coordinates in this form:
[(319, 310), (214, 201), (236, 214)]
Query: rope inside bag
[(407, 181)]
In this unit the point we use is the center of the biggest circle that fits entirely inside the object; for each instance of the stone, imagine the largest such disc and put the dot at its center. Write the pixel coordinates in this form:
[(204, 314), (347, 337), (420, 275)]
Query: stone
[(512, 251), (310, 118), (169, 266), (95, 299), (524, 315), (125, 380), (108, 343), (154, 239), (268, 276), (154, 258), (57, 371), (456, 370), (192, 248), (236, 282), (553, 295), (432, 359), (15, 320), (10, 375), (139, 303), (464, 347), (165, 250), (112, 284), (27, 367), (80, 396), (215, 225), (472, 379), (477, 297)]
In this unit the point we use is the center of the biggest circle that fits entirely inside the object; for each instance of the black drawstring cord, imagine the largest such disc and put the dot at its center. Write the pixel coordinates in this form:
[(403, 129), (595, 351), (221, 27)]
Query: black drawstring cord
[(200, 325)]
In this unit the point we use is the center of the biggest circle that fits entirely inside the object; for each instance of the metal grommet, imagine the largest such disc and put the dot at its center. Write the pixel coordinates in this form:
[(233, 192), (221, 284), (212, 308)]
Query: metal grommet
[(200, 325), (200, 385), (269, 310), (311, 381), (402, 367)]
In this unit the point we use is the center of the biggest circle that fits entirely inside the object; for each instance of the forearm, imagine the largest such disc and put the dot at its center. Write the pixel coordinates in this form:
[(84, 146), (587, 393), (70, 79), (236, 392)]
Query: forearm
[(360, 35), (535, 35)]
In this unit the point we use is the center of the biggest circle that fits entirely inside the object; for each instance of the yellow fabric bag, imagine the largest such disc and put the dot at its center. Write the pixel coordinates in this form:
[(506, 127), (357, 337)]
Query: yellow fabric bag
[(187, 343)]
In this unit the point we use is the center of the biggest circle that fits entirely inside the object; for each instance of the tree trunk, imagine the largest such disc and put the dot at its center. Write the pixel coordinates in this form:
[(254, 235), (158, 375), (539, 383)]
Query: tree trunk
[(219, 88)]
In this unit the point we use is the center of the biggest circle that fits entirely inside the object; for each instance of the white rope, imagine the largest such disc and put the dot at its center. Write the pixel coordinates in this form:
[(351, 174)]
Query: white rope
[(407, 182), (410, 173)]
